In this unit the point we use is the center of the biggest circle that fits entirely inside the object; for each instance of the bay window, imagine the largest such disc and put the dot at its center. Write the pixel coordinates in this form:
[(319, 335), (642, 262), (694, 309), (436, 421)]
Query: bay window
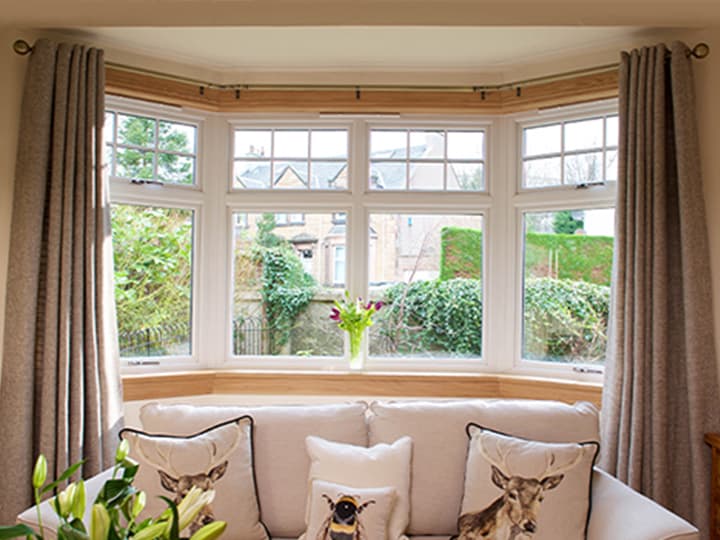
[(488, 239)]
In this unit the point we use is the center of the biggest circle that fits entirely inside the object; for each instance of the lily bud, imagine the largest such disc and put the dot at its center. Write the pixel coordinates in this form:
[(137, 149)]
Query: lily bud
[(64, 500), (211, 531), (78, 503), (139, 504), (157, 530), (39, 472), (122, 451), (192, 504), (99, 523)]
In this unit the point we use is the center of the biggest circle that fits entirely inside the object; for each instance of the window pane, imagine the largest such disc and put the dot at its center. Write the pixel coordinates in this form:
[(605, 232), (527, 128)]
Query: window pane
[(611, 131), (176, 169), (290, 175), (329, 175), (253, 143), (566, 290), (427, 145), (611, 165), (251, 174), (541, 172), (426, 176), (584, 168), (584, 135), (329, 144), (131, 163), (542, 140), (290, 144), (387, 175), (386, 144), (465, 145), (153, 251), (176, 137), (109, 128), (465, 176), (285, 281), (136, 130), (428, 271)]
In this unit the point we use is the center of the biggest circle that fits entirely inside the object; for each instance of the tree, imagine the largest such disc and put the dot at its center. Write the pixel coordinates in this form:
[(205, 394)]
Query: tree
[(565, 223)]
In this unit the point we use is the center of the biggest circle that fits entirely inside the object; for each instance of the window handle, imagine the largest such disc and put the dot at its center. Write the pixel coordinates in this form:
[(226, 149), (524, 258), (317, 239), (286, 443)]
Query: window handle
[(143, 362), (141, 182), (582, 369), (586, 185)]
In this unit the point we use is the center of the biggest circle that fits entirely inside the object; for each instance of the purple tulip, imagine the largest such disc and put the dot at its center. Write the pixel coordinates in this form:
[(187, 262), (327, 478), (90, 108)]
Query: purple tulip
[(378, 305), (369, 305), (335, 314)]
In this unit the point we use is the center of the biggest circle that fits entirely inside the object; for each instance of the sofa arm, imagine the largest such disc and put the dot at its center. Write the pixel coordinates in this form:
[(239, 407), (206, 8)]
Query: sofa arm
[(620, 512), (50, 520)]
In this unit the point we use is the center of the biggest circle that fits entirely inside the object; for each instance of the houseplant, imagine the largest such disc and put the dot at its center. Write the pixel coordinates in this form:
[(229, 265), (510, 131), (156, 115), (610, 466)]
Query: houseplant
[(115, 510), (354, 317)]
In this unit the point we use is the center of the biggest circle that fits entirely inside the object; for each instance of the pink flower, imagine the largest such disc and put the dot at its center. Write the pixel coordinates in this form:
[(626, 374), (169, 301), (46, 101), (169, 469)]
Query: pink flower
[(335, 314), (369, 305), (378, 305)]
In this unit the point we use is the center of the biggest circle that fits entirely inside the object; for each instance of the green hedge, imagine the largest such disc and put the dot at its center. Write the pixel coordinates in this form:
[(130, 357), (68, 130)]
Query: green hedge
[(561, 256), (564, 320)]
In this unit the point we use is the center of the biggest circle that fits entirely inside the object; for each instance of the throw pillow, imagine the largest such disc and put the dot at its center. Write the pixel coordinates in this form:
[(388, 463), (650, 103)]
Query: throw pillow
[(338, 511), (382, 465), (516, 488), (218, 458)]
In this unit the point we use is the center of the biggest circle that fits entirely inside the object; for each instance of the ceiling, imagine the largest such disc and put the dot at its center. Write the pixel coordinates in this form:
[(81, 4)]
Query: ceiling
[(360, 48)]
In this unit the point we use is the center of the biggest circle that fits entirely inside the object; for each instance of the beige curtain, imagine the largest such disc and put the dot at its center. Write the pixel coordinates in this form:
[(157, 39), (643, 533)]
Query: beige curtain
[(661, 387), (60, 389)]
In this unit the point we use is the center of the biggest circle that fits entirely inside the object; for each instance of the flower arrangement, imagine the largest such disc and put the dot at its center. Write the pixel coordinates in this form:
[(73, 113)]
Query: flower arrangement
[(115, 510), (354, 317)]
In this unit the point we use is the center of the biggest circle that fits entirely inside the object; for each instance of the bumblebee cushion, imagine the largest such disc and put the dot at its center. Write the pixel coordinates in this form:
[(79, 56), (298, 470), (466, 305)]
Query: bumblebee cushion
[(343, 512), (358, 467), (218, 458), (516, 488)]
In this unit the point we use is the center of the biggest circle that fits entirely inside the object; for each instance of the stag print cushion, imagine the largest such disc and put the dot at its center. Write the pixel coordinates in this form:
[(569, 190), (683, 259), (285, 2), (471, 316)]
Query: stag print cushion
[(516, 489), (382, 465), (218, 458), (339, 512)]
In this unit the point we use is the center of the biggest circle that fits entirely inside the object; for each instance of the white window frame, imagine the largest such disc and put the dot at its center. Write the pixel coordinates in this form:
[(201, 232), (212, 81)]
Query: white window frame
[(501, 204)]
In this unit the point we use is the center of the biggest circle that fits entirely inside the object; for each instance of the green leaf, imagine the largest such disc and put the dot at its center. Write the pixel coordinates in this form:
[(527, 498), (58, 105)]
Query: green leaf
[(16, 531), (66, 532), (174, 532)]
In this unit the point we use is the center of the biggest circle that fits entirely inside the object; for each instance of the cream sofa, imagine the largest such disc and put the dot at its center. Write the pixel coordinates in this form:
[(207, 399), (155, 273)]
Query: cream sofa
[(437, 429)]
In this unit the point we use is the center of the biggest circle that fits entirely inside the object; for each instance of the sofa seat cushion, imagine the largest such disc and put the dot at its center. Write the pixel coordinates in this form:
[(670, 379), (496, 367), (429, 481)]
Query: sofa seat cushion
[(440, 444), (281, 461)]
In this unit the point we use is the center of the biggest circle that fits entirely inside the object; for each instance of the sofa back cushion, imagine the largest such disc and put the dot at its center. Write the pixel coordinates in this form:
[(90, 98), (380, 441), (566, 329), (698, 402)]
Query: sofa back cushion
[(440, 444), (281, 461)]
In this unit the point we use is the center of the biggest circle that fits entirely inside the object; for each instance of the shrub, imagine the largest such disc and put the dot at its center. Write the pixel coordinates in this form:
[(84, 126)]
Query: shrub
[(579, 257), (460, 253)]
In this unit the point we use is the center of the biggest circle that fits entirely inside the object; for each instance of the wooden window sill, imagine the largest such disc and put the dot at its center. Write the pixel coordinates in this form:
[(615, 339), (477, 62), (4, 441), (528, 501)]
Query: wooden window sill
[(192, 383)]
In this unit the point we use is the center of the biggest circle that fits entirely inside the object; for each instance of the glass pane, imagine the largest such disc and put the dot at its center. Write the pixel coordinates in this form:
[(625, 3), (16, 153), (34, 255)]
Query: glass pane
[(611, 131), (132, 163), (109, 127), (136, 130), (611, 166), (385, 144), (329, 144), (290, 144), (427, 269), (466, 144), (329, 175), (584, 135), (176, 169), (251, 174), (384, 175), (426, 176), (542, 140), (541, 172), (253, 143), (584, 168), (427, 145), (465, 176), (177, 137), (285, 284), (153, 251), (566, 290), (108, 159), (290, 174)]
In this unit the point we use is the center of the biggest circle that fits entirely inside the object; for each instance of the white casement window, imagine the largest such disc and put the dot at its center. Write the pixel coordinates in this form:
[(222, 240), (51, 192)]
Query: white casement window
[(489, 240)]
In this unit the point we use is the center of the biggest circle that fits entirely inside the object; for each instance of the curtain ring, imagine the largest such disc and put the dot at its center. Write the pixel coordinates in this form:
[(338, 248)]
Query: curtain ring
[(22, 47)]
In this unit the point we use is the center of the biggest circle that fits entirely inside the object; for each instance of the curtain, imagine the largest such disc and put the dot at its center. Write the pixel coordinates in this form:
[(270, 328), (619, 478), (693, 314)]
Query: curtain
[(661, 380), (60, 389)]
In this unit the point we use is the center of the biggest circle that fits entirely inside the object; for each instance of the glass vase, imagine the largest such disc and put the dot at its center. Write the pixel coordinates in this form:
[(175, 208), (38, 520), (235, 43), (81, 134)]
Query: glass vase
[(356, 359)]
